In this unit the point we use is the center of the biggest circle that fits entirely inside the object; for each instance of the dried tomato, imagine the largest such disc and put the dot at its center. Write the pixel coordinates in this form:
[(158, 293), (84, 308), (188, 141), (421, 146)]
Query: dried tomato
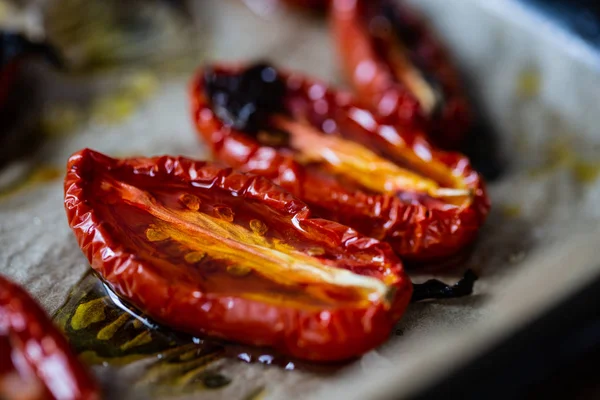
[(400, 68), (206, 250), (36, 361), (385, 181)]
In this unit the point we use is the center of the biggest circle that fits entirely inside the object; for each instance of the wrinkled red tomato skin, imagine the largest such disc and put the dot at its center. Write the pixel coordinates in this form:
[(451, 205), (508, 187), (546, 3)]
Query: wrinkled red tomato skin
[(418, 233), (176, 300), (373, 81), (27, 334)]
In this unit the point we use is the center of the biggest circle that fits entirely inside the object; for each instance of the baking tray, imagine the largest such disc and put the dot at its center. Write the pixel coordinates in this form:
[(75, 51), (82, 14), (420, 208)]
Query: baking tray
[(538, 89)]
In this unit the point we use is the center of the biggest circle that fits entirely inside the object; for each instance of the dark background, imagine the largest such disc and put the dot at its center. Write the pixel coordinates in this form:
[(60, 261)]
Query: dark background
[(581, 17)]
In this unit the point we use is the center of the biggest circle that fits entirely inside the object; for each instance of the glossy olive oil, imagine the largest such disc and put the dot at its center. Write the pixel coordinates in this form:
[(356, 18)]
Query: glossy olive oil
[(104, 331)]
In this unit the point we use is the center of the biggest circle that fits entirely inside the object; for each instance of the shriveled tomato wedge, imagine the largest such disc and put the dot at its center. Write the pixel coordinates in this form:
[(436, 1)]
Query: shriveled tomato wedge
[(36, 362), (398, 66), (385, 181), (207, 250)]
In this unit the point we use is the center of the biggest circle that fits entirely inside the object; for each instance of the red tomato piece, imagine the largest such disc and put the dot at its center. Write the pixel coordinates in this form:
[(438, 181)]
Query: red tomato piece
[(207, 250), (36, 361), (386, 181), (400, 69)]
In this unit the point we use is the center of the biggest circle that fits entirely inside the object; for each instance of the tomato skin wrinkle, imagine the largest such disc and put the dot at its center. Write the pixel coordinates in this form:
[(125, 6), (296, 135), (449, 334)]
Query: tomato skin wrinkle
[(346, 162), (397, 64), (207, 250), (36, 361)]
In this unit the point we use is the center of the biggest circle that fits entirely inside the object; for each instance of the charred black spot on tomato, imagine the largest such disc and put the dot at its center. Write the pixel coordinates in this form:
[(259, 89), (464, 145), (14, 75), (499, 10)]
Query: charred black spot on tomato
[(434, 289), (245, 100)]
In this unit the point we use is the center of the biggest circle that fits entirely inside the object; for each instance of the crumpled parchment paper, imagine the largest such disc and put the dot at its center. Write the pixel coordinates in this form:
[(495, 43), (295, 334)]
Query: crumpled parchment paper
[(541, 93)]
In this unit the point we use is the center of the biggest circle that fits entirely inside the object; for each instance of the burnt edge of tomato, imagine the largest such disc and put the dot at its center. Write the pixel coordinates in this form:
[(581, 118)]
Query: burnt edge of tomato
[(435, 289), (25, 323), (303, 333), (244, 101)]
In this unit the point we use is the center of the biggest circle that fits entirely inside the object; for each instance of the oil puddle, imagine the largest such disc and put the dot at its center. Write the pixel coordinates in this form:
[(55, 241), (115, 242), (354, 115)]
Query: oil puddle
[(103, 330)]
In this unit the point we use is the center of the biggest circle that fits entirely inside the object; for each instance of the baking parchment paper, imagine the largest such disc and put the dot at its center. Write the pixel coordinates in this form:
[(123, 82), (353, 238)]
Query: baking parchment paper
[(540, 90)]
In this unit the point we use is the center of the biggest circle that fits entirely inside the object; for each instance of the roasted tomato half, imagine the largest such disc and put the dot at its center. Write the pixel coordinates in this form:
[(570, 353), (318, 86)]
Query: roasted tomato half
[(385, 181), (206, 250), (36, 362), (400, 69)]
